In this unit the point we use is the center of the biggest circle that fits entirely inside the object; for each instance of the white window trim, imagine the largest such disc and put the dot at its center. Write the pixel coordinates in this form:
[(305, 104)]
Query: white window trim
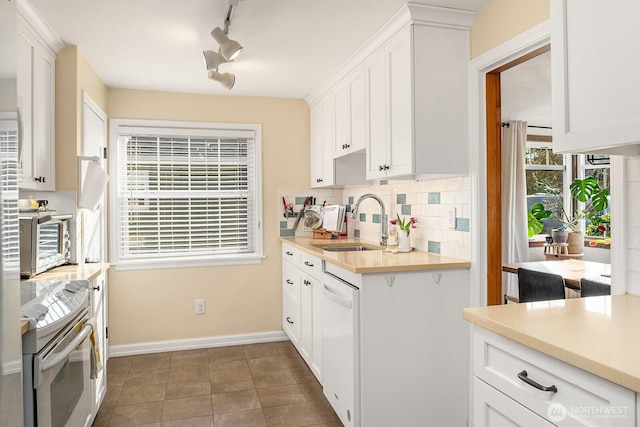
[(254, 130)]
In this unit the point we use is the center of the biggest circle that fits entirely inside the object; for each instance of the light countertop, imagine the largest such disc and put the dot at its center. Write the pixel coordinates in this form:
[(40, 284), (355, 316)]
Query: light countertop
[(375, 261), (596, 334)]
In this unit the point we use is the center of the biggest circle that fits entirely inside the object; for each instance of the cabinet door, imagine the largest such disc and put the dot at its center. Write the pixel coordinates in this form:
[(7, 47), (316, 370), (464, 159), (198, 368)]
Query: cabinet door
[(494, 409), (316, 320), (595, 87), (306, 319), (357, 110), (400, 78), (98, 289), (26, 46), (342, 118), (322, 140), (376, 118)]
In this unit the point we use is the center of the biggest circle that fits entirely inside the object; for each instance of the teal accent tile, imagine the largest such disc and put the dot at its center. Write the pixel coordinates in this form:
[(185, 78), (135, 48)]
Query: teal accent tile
[(287, 233), (433, 247), (283, 224), (350, 200), (406, 209), (356, 233), (434, 198), (375, 218), (384, 182), (363, 217), (462, 224), (300, 200), (401, 199), (348, 208)]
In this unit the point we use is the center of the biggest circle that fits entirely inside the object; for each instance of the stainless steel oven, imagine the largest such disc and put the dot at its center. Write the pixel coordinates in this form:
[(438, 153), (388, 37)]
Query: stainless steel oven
[(45, 243), (56, 358)]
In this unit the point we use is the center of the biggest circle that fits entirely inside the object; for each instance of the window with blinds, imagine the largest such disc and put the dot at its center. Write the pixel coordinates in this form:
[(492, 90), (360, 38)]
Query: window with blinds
[(10, 240), (187, 195)]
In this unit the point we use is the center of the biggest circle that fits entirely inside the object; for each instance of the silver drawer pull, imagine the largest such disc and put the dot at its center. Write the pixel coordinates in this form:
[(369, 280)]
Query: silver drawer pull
[(308, 264), (523, 376), (289, 282), (289, 320), (288, 253)]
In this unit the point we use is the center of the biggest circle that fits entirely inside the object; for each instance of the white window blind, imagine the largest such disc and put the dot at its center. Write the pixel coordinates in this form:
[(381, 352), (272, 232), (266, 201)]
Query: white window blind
[(187, 195), (9, 193)]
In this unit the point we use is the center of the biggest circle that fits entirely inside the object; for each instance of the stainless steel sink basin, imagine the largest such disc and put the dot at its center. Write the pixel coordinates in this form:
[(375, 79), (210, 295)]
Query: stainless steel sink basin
[(352, 248)]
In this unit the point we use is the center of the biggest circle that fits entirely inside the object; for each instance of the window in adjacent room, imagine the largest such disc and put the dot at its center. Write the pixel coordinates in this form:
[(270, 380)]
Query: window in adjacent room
[(185, 194)]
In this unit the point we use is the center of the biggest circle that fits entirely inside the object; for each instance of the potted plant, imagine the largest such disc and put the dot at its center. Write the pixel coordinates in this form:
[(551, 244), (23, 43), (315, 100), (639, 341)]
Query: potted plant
[(587, 191)]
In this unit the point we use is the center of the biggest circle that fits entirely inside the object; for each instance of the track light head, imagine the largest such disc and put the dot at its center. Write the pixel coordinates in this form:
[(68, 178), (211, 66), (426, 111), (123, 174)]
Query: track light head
[(212, 60), (227, 80), (228, 48)]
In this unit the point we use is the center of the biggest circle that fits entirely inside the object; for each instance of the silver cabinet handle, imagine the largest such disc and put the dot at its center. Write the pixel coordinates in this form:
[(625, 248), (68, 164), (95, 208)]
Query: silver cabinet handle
[(306, 282), (289, 253), (523, 376), (289, 282), (308, 264), (289, 320)]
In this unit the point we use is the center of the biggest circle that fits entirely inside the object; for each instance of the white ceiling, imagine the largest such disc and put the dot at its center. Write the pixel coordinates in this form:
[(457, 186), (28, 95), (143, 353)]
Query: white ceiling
[(290, 46), (526, 91)]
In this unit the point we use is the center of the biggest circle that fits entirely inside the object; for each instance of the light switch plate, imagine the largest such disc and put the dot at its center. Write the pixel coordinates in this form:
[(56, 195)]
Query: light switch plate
[(451, 223)]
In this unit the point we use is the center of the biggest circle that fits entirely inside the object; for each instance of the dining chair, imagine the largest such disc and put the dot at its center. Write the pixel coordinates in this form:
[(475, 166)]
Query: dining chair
[(538, 286), (590, 288)]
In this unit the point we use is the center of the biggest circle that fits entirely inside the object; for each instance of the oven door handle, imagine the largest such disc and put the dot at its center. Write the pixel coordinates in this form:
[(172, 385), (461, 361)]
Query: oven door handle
[(59, 357)]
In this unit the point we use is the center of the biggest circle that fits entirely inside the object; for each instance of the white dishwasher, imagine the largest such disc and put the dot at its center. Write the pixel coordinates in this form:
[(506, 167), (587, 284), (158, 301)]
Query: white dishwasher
[(341, 347)]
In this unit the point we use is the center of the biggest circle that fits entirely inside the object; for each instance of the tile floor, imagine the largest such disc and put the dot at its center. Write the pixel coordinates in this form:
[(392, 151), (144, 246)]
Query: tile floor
[(242, 386)]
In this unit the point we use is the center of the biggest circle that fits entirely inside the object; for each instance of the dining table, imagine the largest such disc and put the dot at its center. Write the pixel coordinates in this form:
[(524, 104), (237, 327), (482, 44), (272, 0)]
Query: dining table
[(572, 270)]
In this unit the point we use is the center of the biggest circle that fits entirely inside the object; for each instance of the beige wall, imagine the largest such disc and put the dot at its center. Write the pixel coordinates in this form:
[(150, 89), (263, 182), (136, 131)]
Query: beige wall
[(502, 20), (158, 305)]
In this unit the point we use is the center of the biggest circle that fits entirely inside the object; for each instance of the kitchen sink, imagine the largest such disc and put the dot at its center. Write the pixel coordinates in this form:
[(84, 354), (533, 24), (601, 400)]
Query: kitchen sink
[(352, 248)]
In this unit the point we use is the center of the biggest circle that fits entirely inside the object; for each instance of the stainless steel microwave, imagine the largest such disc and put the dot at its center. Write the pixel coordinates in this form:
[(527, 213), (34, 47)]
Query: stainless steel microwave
[(45, 243)]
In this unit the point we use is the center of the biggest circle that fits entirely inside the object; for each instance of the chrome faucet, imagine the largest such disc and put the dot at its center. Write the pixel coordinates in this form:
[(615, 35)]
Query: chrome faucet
[(383, 220)]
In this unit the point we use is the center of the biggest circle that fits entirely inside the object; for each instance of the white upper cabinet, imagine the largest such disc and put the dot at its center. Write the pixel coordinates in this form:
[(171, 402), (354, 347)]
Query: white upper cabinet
[(37, 48), (409, 83), (322, 142), (595, 71), (350, 113)]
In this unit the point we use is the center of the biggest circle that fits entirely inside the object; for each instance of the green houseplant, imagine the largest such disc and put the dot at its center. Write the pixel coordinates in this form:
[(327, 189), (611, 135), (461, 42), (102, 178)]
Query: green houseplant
[(587, 191)]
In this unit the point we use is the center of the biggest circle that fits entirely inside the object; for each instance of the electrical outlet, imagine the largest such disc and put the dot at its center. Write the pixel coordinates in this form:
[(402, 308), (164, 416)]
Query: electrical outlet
[(452, 219), (200, 307)]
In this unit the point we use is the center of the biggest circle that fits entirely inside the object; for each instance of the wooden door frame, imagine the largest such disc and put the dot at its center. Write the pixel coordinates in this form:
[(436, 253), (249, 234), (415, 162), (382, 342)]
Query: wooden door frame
[(486, 276)]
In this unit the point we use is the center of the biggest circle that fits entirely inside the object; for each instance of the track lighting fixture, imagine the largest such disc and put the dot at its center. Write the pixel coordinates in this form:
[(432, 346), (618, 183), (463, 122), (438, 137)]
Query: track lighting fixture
[(227, 80), (228, 48)]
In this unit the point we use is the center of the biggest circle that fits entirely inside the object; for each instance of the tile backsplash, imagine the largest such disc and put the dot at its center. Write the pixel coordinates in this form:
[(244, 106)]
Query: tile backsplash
[(430, 202)]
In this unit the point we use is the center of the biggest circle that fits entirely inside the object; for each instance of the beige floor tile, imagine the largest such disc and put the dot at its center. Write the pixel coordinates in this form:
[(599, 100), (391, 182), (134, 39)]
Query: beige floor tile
[(324, 411), (231, 380), (131, 415), (190, 354), (312, 391), (196, 373), (190, 407), (251, 418), (141, 393), (152, 376), (273, 378), (181, 390), (190, 422), (303, 375), (227, 353), (336, 424), (118, 365), (148, 362), (267, 364), (282, 395), (235, 401), (227, 365), (256, 351), (291, 415), (116, 378)]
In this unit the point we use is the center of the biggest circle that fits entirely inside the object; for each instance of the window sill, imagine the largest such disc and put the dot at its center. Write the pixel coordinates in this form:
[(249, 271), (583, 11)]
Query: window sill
[(132, 265), (589, 242)]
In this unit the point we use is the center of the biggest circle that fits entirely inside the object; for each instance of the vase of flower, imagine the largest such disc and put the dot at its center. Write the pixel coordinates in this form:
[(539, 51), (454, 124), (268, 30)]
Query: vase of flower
[(404, 244)]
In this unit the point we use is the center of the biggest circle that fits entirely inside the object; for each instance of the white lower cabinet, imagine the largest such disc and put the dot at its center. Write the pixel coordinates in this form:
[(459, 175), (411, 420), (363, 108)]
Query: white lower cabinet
[(301, 305), (516, 385), (98, 290)]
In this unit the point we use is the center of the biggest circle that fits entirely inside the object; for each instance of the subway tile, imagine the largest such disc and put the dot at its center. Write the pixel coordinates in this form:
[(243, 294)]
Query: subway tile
[(401, 199), (462, 224), (434, 247)]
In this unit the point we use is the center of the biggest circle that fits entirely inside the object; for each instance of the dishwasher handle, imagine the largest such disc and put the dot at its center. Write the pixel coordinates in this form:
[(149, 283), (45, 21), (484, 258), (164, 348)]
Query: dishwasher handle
[(345, 302)]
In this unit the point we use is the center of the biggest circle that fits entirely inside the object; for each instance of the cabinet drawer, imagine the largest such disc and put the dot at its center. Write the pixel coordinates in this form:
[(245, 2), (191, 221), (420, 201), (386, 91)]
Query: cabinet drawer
[(493, 409), (585, 397), (311, 265), (291, 319), (291, 278), (290, 254)]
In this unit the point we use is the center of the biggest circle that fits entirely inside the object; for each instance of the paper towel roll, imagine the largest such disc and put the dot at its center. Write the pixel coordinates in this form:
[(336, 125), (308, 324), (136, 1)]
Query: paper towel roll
[(95, 182)]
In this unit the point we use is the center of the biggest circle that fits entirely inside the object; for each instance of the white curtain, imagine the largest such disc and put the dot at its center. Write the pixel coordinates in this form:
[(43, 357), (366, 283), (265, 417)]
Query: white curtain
[(515, 243)]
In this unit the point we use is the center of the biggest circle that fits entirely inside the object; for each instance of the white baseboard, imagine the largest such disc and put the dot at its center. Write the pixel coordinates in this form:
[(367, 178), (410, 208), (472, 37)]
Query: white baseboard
[(195, 343), (11, 367)]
